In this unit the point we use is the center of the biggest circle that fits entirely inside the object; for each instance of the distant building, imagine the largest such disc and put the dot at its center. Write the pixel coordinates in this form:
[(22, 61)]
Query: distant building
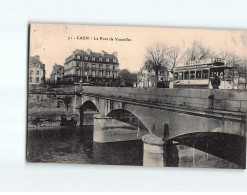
[(57, 73), (91, 66), (36, 70), (146, 76)]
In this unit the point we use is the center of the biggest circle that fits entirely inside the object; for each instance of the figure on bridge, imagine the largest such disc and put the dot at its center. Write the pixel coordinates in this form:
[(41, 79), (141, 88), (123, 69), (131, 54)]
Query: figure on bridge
[(215, 82), (163, 83)]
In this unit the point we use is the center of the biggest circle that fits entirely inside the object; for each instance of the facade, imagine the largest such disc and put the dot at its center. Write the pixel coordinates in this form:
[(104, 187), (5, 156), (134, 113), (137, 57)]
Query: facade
[(146, 76), (36, 70), (92, 67), (56, 75)]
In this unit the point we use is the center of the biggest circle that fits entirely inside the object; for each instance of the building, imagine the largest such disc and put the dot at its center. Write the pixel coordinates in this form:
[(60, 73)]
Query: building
[(36, 70), (56, 75), (146, 76), (91, 66)]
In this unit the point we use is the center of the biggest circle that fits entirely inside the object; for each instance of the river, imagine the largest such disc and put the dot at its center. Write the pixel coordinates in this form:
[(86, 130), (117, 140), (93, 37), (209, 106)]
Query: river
[(75, 145)]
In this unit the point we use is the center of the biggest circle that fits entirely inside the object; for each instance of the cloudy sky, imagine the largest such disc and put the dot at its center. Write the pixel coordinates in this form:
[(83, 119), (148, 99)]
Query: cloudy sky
[(55, 42)]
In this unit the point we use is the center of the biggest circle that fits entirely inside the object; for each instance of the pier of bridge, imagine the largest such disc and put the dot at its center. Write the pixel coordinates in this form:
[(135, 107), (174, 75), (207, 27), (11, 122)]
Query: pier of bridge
[(197, 114)]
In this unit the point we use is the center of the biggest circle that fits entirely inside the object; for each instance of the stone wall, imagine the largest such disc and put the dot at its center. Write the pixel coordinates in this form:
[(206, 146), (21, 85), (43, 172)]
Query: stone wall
[(46, 110), (228, 100)]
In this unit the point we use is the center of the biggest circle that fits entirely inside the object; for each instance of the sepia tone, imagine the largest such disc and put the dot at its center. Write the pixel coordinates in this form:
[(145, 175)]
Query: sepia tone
[(143, 96)]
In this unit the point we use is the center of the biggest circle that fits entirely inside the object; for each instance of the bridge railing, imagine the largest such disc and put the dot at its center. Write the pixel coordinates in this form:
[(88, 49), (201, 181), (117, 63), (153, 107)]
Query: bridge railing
[(228, 100)]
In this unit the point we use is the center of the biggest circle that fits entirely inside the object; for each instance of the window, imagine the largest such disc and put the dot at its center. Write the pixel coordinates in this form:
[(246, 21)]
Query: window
[(186, 75), (198, 74), (107, 67), (180, 75), (114, 67), (37, 73), (85, 65), (86, 58), (107, 59), (214, 72), (205, 74), (175, 75), (100, 73), (221, 75), (37, 79), (93, 58), (30, 80), (100, 59), (114, 60), (192, 74), (100, 66), (78, 57), (31, 73), (93, 66)]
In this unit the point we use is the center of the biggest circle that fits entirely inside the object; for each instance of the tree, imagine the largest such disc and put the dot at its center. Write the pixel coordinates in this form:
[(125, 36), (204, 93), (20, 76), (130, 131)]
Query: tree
[(175, 56), (232, 60), (126, 78), (198, 52), (158, 55), (139, 77)]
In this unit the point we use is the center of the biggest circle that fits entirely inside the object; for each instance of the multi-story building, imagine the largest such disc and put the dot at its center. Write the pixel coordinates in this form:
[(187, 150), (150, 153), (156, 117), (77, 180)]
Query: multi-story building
[(146, 76), (91, 66), (36, 70), (57, 73)]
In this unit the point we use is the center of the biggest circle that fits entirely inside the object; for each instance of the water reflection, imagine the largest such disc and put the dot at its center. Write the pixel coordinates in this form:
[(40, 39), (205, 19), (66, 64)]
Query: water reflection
[(75, 145)]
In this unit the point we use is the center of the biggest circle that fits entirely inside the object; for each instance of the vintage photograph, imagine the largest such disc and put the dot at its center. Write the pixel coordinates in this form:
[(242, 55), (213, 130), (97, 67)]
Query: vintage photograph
[(139, 96)]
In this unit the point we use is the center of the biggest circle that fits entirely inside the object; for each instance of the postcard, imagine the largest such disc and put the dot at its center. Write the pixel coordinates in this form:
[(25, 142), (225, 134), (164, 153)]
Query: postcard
[(138, 96)]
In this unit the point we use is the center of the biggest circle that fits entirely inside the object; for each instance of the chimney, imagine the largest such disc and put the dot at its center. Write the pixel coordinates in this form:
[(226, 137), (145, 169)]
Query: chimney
[(37, 56), (88, 51), (103, 53), (115, 54)]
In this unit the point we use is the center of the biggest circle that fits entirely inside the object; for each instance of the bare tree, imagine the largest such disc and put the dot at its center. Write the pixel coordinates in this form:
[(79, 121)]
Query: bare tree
[(238, 74), (139, 77), (157, 54), (198, 52), (175, 56)]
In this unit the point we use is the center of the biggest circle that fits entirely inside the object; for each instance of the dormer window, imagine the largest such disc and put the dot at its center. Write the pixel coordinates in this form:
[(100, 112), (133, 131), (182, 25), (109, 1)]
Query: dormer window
[(114, 60), (86, 58), (107, 59), (93, 58), (78, 57)]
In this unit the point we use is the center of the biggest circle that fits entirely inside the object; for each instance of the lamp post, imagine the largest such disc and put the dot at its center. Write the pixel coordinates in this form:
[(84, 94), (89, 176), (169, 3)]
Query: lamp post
[(81, 72)]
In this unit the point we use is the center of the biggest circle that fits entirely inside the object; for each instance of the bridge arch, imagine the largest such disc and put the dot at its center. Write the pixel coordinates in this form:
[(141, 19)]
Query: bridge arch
[(227, 146), (128, 117), (87, 105)]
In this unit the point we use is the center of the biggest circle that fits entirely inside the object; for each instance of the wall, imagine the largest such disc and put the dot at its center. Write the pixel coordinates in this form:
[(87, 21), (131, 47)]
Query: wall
[(50, 108), (227, 100)]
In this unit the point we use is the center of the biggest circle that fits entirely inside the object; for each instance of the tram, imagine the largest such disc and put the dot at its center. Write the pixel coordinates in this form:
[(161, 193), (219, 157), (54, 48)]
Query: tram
[(199, 73)]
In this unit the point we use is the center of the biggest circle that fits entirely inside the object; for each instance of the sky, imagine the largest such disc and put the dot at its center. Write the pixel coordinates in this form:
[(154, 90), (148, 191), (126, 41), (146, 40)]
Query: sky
[(55, 42)]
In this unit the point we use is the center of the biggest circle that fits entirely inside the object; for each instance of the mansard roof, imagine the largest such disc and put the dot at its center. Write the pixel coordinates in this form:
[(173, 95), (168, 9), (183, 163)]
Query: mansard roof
[(92, 54), (34, 61)]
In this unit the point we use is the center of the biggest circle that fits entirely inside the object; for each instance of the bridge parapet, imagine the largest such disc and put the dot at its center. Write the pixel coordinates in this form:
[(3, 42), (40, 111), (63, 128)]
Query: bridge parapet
[(227, 100)]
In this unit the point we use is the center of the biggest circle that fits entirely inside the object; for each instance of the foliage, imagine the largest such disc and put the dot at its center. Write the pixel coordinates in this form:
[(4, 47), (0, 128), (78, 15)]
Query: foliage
[(127, 79)]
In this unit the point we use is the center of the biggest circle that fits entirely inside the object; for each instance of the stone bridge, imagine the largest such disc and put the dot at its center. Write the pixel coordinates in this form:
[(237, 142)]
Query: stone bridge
[(185, 116)]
